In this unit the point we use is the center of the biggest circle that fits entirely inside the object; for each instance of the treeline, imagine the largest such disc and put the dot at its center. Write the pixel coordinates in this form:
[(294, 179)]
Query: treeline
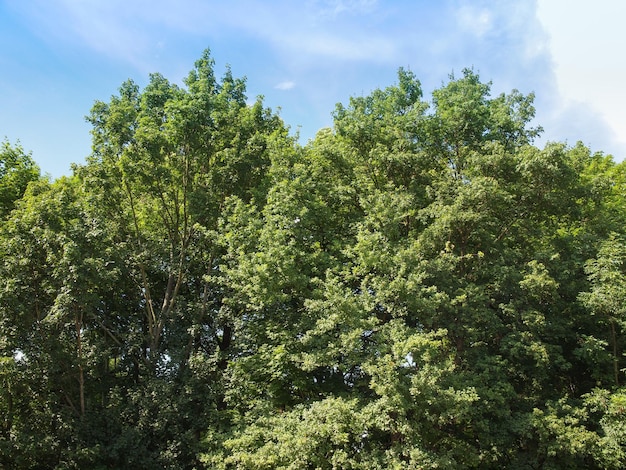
[(418, 287)]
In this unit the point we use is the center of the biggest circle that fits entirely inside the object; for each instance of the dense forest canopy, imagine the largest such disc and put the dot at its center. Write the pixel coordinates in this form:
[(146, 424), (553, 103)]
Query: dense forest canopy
[(419, 286)]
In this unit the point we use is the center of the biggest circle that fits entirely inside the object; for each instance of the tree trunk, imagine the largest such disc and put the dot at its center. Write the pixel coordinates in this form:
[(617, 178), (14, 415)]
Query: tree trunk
[(81, 373)]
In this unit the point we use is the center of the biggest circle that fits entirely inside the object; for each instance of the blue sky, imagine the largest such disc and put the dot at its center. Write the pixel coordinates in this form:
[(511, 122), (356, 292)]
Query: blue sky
[(58, 56)]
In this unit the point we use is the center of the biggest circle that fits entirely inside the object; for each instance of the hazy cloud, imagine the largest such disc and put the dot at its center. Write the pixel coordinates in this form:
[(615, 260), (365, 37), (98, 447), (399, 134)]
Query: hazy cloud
[(286, 85), (333, 8), (475, 20)]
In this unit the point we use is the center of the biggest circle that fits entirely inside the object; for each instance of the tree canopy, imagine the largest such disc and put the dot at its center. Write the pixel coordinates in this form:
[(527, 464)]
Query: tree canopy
[(419, 286)]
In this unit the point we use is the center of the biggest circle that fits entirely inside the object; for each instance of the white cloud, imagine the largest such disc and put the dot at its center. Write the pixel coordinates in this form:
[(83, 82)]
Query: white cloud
[(583, 42), (286, 85), (333, 46), (478, 21)]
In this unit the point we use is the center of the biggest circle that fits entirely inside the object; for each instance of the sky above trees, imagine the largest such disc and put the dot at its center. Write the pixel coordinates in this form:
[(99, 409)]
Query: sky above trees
[(58, 56)]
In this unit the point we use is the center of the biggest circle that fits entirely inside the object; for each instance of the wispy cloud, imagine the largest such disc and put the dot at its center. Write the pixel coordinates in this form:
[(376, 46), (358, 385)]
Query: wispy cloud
[(286, 85), (126, 32), (474, 19), (373, 48), (333, 8)]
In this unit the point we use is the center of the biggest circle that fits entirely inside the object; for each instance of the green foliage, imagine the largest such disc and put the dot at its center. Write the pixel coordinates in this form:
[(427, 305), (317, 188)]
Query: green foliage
[(607, 298), (17, 169), (418, 287)]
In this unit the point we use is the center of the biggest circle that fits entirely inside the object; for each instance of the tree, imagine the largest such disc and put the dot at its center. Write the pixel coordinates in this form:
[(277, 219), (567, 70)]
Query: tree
[(59, 271), (418, 287), (443, 313), (607, 298), (17, 169), (165, 161)]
